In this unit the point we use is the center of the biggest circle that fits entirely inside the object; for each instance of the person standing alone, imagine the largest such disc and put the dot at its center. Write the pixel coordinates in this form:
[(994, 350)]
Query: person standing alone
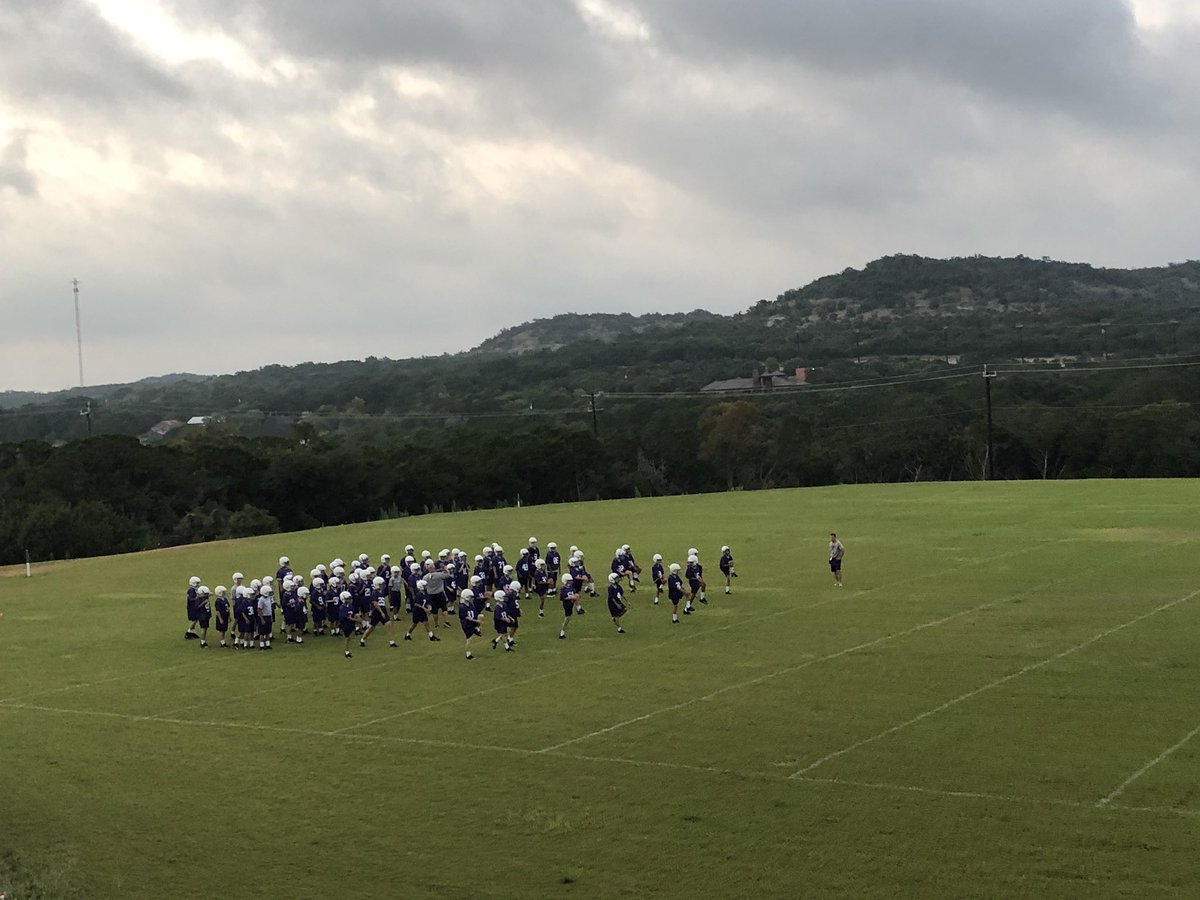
[(836, 552)]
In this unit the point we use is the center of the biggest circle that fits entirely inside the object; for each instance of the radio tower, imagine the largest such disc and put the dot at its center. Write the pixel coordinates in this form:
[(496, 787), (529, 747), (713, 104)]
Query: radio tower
[(86, 412), (78, 329)]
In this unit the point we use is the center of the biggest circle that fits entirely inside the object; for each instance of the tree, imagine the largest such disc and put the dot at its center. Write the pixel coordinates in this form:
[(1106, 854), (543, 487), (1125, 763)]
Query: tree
[(736, 438)]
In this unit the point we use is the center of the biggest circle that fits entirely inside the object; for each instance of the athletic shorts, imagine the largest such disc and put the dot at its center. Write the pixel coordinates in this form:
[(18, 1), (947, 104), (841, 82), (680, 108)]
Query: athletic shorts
[(615, 609), (318, 615), (568, 608), (835, 565), (300, 621), (204, 620), (346, 626), (245, 628), (419, 615), (437, 603), (379, 617), (222, 624), (396, 601), (469, 628), (694, 585), (265, 626)]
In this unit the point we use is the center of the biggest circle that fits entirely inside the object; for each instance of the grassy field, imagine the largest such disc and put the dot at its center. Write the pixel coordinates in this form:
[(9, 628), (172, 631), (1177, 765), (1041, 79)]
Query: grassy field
[(1000, 703)]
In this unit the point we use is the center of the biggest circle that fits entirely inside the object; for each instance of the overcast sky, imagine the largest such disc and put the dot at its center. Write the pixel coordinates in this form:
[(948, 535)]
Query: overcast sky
[(237, 183)]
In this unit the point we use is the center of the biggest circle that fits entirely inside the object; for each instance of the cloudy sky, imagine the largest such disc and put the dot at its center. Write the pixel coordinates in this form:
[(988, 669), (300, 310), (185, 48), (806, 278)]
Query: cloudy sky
[(243, 182)]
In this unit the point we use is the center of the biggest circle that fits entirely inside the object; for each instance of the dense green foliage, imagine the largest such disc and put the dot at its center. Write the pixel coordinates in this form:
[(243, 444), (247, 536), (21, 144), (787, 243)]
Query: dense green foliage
[(893, 353)]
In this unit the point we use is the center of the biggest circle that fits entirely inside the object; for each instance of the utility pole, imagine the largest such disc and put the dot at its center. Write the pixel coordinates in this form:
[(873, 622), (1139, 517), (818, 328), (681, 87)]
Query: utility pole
[(78, 329), (946, 343), (1020, 341), (86, 412), (592, 406), (987, 392)]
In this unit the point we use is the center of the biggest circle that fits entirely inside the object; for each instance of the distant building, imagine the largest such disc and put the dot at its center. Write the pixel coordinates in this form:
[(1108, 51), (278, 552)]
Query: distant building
[(199, 420), (761, 381)]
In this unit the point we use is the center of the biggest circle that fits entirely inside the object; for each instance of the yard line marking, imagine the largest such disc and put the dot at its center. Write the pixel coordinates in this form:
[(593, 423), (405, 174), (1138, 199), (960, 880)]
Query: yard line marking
[(940, 792), (997, 683), (761, 678), (1120, 789), (1171, 810), (88, 684), (888, 637), (607, 760), (266, 690)]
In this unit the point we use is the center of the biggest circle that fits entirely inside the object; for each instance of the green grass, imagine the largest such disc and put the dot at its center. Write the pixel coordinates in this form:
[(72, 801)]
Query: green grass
[(1002, 658)]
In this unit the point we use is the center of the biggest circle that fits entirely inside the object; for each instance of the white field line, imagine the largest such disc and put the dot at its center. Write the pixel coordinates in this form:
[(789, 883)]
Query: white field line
[(995, 684), (1105, 801), (97, 683), (688, 636), (899, 634), (607, 760), (933, 623), (267, 690)]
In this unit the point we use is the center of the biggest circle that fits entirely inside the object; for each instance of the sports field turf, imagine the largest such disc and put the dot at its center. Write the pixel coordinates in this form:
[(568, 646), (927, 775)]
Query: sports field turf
[(1002, 702)]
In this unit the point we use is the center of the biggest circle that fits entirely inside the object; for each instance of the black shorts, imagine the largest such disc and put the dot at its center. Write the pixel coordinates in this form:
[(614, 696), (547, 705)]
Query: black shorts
[(397, 602), (694, 584), (379, 617), (265, 626), (437, 603), (318, 615), (222, 624), (203, 620), (419, 615), (835, 565), (470, 629), (616, 610), (346, 626), (568, 608), (245, 628)]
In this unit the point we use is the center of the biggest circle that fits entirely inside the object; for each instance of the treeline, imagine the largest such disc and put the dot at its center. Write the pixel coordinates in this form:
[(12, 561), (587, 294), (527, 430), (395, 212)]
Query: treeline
[(111, 494)]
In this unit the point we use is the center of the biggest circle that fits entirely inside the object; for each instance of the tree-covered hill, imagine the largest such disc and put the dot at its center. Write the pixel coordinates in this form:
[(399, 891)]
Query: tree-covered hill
[(895, 315)]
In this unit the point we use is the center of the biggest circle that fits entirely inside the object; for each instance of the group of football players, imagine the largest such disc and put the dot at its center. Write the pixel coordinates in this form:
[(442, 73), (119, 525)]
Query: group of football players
[(359, 599)]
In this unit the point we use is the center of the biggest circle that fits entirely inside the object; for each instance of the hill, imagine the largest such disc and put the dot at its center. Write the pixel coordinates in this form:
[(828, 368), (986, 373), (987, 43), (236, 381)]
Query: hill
[(564, 330)]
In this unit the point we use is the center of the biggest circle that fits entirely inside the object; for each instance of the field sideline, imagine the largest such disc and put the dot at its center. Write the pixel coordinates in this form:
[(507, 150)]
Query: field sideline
[(1000, 703)]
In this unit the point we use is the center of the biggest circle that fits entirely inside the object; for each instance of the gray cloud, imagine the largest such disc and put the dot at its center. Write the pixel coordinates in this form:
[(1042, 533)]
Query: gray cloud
[(63, 52), (14, 170), (451, 168)]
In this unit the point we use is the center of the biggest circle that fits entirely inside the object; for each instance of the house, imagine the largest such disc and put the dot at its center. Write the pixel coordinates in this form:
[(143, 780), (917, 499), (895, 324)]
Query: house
[(760, 381)]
